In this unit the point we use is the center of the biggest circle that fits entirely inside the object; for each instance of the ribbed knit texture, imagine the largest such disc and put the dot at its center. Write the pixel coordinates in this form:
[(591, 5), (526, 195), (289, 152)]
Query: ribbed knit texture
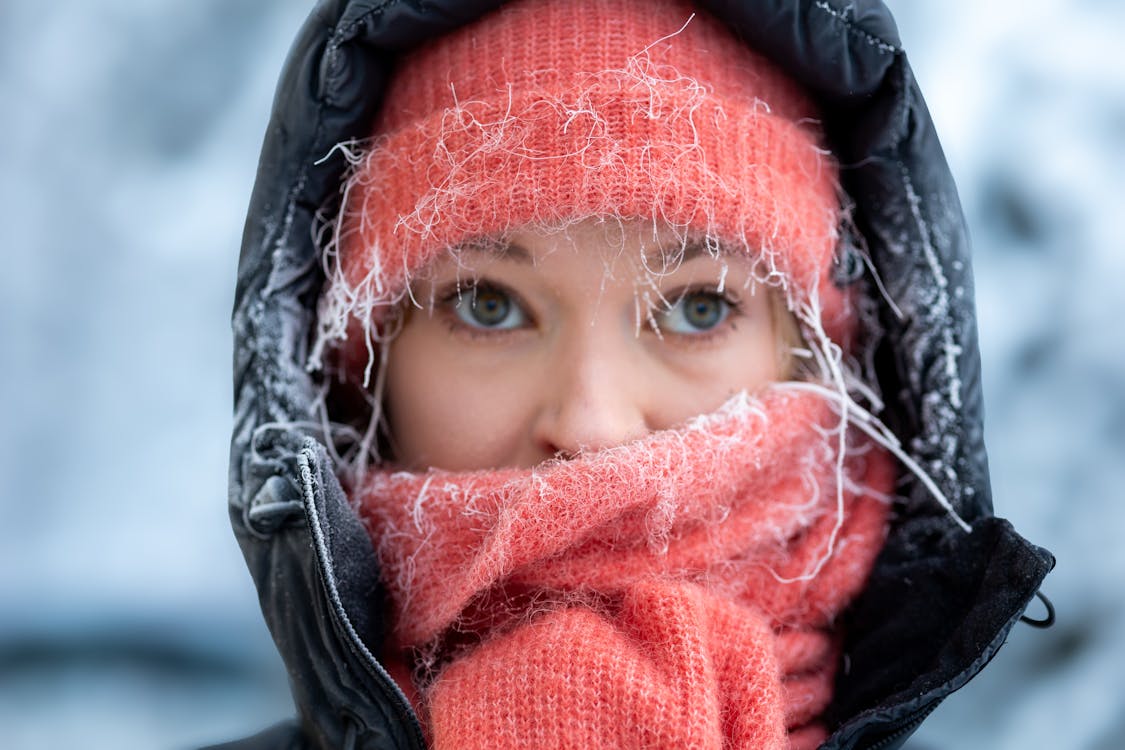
[(676, 592), (546, 113)]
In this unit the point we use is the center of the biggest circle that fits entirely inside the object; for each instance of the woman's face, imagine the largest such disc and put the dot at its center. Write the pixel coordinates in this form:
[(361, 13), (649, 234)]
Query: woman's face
[(571, 340)]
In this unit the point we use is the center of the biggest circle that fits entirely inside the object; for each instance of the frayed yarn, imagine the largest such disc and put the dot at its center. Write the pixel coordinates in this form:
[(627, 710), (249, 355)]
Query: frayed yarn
[(646, 135)]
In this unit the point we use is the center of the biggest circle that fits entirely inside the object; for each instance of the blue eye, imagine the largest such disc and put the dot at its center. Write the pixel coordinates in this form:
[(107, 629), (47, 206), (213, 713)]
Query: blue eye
[(695, 312), (489, 307)]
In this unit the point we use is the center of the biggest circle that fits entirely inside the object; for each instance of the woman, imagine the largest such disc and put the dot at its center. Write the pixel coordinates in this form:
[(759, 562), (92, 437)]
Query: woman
[(939, 600)]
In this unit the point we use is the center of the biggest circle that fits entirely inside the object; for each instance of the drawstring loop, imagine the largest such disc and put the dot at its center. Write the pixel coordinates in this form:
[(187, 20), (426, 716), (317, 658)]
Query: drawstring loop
[(1047, 621)]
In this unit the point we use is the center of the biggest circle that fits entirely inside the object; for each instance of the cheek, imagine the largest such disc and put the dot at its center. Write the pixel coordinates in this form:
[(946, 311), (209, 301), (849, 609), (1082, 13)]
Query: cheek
[(699, 381), (753, 357), (447, 410), (755, 360)]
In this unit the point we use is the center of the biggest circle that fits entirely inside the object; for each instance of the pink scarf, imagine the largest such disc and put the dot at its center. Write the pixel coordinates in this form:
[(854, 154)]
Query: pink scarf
[(678, 591)]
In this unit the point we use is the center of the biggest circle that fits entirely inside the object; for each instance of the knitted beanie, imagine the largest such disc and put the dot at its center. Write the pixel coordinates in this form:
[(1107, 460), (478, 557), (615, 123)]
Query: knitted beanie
[(545, 113)]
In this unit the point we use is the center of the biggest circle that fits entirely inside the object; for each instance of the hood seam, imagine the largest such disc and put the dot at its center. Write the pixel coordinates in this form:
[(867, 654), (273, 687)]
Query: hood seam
[(841, 18)]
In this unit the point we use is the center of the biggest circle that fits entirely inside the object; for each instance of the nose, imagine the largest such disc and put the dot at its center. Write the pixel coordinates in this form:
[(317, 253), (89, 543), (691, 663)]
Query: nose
[(594, 397)]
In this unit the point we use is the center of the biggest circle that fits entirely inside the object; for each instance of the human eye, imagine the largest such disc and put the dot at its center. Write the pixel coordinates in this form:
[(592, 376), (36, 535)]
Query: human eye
[(487, 307), (695, 312)]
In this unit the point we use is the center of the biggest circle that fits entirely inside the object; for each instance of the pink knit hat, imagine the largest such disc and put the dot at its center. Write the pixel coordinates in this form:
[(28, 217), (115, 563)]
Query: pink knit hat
[(544, 113)]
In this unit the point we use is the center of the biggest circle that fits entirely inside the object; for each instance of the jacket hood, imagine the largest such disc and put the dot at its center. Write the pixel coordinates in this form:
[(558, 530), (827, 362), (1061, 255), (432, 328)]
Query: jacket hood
[(941, 600)]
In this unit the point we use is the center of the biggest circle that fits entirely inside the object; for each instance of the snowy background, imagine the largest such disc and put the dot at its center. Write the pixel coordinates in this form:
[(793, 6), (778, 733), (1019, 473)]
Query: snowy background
[(128, 143)]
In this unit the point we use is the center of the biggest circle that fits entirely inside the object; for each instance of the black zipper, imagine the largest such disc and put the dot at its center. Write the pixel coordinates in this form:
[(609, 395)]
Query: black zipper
[(905, 729), (309, 461)]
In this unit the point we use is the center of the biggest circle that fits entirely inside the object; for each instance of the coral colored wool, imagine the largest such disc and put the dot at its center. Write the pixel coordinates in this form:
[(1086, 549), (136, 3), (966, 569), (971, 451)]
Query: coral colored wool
[(669, 593), (546, 113)]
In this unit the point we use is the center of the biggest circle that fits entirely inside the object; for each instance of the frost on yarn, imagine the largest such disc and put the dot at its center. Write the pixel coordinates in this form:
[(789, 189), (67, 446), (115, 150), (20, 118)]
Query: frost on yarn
[(625, 144)]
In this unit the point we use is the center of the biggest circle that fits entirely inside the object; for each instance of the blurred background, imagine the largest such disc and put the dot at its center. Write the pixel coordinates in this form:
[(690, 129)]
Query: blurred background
[(128, 148)]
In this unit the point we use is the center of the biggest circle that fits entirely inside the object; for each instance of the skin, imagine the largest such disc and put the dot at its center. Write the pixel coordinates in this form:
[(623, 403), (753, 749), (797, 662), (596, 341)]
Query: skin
[(559, 342)]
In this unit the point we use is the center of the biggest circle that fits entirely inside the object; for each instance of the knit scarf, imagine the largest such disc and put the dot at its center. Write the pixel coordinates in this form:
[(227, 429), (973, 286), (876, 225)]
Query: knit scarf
[(679, 591)]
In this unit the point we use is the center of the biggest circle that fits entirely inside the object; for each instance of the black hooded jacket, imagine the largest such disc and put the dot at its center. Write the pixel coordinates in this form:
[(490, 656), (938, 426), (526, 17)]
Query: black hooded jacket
[(940, 601)]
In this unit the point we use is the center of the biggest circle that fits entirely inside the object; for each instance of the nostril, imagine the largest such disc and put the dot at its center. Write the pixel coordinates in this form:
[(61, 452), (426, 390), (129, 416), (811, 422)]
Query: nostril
[(559, 454)]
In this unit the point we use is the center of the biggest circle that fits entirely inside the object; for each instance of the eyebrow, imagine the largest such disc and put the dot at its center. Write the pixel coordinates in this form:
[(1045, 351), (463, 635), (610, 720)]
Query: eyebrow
[(498, 249), (692, 248)]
